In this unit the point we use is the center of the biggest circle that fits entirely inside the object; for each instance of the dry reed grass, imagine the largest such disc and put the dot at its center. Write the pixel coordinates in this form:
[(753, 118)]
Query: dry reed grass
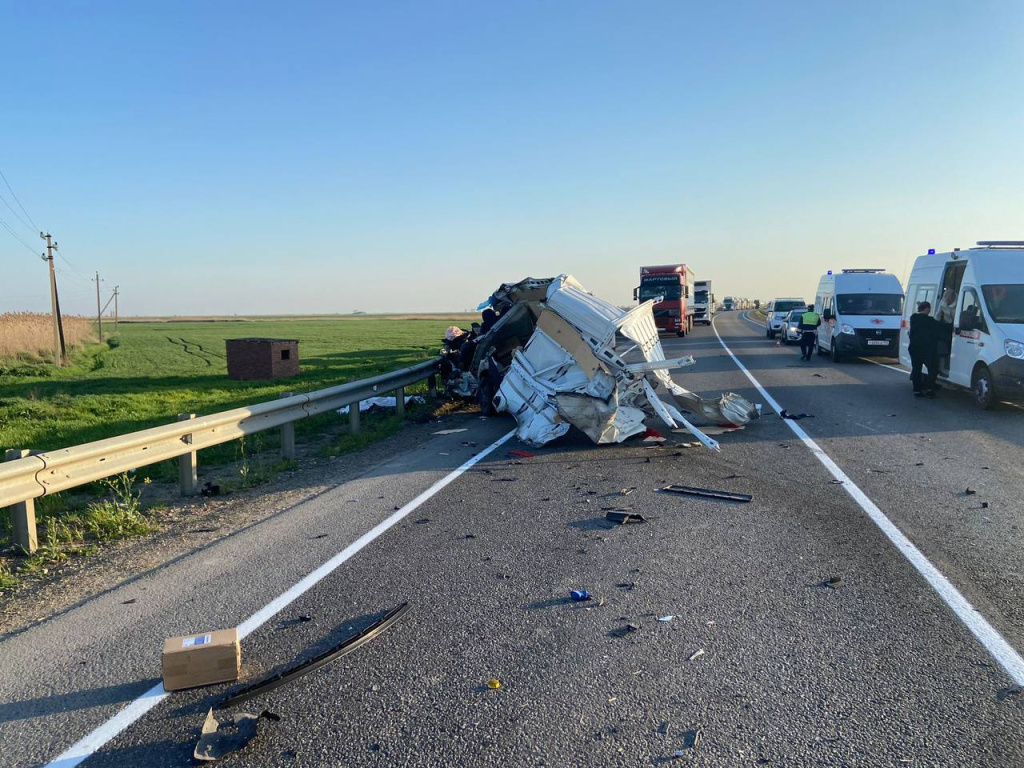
[(27, 334)]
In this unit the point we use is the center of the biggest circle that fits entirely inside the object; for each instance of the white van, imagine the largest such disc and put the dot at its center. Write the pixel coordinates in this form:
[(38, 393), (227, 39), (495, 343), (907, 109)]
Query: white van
[(985, 320), (860, 313)]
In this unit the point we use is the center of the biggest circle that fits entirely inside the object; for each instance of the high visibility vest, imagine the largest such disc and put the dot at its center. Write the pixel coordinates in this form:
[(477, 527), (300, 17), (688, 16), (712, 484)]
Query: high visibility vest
[(809, 318)]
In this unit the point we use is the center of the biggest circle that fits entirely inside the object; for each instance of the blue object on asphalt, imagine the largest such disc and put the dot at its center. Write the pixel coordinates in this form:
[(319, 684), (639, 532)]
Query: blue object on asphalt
[(580, 595)]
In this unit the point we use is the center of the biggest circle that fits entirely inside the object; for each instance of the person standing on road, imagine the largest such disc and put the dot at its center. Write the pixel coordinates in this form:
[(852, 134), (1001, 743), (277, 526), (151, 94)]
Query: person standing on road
[(925, 332), (809, 323)]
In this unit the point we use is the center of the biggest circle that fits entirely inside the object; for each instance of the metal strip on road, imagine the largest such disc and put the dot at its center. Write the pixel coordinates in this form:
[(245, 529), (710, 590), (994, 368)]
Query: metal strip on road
[(1000, 650), (95, 740)]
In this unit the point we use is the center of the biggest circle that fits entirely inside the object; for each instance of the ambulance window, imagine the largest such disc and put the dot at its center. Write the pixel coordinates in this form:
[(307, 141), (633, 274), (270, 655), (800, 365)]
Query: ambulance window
[(971, 316), (924, 293)]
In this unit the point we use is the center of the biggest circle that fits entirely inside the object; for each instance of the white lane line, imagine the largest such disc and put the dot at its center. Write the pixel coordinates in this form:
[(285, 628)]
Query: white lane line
[(1000, 650), (140, 706), (884, 365)]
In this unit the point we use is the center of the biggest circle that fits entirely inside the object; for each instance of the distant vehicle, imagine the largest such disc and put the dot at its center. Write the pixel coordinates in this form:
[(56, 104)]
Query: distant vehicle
[(860, 313), (791, 326), (703, 302), (778, 311), (728, 303), (985, 352), (675, 284)]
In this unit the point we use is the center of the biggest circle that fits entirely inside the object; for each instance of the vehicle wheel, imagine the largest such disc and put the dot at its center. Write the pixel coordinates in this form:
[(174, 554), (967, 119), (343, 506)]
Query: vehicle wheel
[(981, 385), (836, 357)]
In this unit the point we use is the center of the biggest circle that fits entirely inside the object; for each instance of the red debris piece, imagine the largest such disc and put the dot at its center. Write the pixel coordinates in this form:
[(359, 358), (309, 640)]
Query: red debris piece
[(523, 454), (652, 433)]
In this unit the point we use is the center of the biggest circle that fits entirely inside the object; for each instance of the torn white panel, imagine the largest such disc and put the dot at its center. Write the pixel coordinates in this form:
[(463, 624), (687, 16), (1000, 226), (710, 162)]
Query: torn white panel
[(383, 402), (729, 409), (661, 365), (600, 420), (530, 402), (656, 404), (670, 416), (596, 318)]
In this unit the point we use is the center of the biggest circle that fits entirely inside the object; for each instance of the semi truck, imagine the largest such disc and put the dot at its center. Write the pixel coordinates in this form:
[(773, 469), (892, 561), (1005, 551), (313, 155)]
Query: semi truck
[(703, 302), (728, 304), (674, 284)]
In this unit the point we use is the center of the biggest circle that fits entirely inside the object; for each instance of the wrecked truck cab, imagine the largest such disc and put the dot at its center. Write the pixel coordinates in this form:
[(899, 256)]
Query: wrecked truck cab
[(571, 373)]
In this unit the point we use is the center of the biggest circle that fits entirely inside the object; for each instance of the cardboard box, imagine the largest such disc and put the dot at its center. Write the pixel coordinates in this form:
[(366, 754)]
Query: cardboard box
[(211, 657)]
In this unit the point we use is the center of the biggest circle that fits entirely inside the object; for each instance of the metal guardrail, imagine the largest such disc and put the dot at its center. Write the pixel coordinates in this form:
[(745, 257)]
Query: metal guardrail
[(27, 477)]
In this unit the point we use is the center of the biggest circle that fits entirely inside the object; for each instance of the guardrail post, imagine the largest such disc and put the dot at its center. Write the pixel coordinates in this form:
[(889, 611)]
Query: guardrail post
[(287, 436), (432, 386), (23, 515), (188, 471), (400, 401), (353, 418)]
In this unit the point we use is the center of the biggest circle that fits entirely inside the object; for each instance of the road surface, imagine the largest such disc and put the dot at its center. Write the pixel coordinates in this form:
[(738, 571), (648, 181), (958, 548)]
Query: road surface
[(761, 661)]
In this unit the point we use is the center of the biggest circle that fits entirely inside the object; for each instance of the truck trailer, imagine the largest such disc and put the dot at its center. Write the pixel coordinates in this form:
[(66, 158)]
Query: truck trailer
[(703, 302), (674, 285)]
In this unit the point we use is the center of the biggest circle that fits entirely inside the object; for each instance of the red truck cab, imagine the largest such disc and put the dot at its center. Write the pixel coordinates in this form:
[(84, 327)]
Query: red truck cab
[(674, 283)]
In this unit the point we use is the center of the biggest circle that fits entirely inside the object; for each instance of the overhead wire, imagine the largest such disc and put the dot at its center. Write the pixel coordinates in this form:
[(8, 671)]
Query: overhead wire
[(8, 184), (15, 235)]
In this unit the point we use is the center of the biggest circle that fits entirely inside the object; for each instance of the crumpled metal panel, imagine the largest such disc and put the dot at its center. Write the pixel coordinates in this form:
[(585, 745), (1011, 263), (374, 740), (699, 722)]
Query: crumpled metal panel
[(600, 420), (532, 404)]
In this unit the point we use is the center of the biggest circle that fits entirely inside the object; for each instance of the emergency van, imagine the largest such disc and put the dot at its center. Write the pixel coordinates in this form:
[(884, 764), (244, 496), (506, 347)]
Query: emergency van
[(978, 297), (860, 313)]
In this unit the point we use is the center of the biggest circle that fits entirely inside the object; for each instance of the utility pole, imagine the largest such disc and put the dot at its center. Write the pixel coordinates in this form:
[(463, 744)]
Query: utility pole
[(116, 288), (99, 312), (59, 352)]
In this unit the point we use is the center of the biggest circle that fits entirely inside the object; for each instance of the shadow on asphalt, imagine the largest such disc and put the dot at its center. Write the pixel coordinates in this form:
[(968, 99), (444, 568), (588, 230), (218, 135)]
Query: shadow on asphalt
[(86, 698)]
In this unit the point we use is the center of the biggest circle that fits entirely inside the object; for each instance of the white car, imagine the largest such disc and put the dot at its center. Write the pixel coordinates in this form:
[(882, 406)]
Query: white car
[(778, 312), (791, 332)]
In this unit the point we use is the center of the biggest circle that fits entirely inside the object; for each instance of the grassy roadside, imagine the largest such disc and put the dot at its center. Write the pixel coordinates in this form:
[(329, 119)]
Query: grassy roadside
[(151, 371)]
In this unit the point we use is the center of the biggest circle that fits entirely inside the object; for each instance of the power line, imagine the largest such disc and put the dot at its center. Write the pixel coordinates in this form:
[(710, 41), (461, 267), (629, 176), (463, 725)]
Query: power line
[(14, 234), (34, 227), (16, 214)]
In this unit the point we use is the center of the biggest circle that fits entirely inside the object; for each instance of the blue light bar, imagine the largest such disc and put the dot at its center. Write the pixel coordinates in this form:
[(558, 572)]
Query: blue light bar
[(931, 251)]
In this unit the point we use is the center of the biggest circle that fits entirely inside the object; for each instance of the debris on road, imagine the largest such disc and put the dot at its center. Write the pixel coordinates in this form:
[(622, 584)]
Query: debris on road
[(345, 647), (969, 492), (546, 353), (696, 654), (284, 623), (450, 431), (794, 416), (204, 659), (666, 619), (382, 403), (835, 582), (494, 684), (522, 454), (218, 739), (622, 517), (708, 493), (625, 629), (579, 595)]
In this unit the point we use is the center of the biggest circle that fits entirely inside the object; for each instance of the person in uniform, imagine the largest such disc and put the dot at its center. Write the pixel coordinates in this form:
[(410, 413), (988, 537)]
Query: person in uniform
[(809, 323)]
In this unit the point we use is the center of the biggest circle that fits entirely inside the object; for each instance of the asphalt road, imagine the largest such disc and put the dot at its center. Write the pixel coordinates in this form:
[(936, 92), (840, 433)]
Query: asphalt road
[(876, 671)]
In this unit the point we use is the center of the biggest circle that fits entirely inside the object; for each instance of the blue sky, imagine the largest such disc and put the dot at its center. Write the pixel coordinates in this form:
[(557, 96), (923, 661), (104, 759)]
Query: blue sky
[(218, 158)]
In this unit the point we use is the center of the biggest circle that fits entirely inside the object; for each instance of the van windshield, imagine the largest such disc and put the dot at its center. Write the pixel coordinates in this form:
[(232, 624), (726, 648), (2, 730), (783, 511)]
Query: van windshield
[(870, 303), (1005, 302)]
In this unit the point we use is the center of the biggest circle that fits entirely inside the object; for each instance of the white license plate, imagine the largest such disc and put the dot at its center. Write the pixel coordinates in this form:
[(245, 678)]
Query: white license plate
[(878, 343)]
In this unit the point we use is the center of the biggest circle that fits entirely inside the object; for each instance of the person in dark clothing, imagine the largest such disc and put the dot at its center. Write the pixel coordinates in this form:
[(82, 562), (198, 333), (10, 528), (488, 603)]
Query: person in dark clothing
[(490, 317), (925, 335), (809, 323)]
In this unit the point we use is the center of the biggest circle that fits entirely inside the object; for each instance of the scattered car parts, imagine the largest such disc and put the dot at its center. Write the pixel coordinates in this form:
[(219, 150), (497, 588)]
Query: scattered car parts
[(345, 647), (218, 739), (708, 493)]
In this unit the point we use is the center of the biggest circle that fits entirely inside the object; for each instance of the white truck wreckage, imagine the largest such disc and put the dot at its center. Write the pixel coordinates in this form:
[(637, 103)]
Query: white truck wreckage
[(554, 356)]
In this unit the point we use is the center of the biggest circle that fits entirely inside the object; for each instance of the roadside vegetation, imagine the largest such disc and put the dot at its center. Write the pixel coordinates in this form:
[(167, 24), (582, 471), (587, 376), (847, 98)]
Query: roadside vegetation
[(151, 371), (26, 340)]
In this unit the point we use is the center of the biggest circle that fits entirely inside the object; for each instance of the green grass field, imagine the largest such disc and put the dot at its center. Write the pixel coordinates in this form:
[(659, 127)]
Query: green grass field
[(160, 369)]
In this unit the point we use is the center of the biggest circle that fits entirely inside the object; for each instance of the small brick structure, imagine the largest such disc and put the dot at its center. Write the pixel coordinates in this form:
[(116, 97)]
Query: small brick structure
[(250, 359)]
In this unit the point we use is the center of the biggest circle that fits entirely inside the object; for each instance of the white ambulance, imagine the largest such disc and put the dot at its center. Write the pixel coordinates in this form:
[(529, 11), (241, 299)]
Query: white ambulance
[(978, 295), (860, 313)]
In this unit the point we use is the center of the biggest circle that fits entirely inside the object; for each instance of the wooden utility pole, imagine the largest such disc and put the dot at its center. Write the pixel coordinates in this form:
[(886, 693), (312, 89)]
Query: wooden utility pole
[(99, 312), (116, 288), (59, 351)]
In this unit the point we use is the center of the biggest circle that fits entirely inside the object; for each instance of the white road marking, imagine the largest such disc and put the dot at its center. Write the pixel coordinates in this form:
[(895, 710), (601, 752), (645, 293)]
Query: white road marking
[(884, 365), (140, 706), (1000, 650)]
